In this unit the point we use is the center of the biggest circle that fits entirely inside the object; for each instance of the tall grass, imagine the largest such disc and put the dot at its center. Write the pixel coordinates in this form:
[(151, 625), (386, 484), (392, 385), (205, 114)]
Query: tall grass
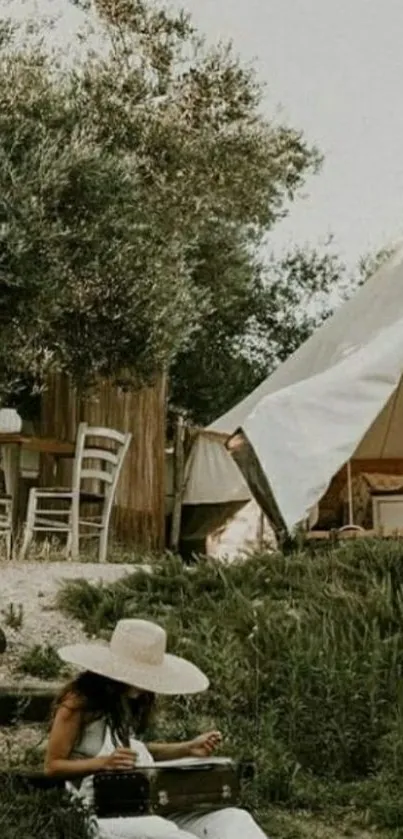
[(51, 815), (305, 657)]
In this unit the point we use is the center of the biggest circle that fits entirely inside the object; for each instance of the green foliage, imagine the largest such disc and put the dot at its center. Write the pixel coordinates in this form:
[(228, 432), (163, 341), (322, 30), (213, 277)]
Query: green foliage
[(111, 167), (42, 662), (260, 314), (369, 264), (16, 752), (51, 814), (305, 659), (13, 616)]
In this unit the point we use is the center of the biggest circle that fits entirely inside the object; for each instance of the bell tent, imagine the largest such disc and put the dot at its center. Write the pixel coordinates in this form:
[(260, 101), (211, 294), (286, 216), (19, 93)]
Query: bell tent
[(338, 397)]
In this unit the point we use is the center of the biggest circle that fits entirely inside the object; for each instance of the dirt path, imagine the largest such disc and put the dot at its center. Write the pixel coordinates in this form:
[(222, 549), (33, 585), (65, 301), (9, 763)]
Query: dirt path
[(33, 586)]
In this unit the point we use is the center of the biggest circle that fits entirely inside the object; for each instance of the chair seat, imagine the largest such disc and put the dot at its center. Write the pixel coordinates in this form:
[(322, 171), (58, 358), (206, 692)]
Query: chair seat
[(52, 490), (88, 497), (92, 497)]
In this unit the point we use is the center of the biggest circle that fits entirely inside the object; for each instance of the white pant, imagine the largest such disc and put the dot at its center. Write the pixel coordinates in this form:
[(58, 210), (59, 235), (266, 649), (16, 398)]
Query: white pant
[(230, 823)]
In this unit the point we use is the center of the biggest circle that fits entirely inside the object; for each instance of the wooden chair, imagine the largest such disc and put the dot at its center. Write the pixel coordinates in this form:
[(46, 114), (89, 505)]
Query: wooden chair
[(98, 461), (6, 526)]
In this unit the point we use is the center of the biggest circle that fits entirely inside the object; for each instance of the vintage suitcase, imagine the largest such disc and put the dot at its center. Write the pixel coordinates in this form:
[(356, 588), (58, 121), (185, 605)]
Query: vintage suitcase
[(167, 788)]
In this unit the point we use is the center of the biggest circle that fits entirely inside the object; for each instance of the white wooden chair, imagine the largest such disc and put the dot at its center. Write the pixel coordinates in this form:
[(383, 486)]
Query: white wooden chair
[(98, 461), (6, 525)]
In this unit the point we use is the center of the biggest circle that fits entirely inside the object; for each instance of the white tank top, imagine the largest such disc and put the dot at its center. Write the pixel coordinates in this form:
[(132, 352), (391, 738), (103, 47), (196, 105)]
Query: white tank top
[(91, 740), (96, 740)]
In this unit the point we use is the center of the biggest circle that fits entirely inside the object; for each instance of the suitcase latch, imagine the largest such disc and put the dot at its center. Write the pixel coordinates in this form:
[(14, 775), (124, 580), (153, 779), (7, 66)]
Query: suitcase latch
[(163, 798)]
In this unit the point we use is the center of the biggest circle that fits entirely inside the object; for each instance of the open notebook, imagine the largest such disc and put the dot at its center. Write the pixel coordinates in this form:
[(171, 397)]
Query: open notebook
[(186, 762)]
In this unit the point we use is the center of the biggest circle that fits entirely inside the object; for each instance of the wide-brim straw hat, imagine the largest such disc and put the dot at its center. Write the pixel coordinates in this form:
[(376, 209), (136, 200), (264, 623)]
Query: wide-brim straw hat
[(136, 656)]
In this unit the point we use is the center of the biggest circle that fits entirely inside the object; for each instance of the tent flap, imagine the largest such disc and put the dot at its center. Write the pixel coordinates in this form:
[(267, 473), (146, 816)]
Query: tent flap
[(303, 434), (245, 458), (337, 396)]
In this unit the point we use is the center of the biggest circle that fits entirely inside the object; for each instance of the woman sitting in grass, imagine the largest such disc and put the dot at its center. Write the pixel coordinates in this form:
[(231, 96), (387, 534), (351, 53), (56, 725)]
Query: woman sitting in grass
[(99, 713)]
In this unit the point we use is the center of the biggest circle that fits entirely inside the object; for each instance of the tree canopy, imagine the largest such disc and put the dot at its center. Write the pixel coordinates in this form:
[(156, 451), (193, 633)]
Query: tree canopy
[(261, 312), (137, 184)]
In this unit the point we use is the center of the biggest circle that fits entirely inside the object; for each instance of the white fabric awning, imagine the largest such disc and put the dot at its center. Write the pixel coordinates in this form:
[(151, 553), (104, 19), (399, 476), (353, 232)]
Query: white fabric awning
[(303, 434), (338, 396)]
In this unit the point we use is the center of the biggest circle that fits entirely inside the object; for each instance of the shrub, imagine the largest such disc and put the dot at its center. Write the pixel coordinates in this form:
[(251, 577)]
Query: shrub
[(13, 616), (41, 662), (52, 815)]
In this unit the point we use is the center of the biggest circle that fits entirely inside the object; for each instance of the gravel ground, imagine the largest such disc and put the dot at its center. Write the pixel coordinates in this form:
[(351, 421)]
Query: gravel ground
[(23, 745), (34, 585)]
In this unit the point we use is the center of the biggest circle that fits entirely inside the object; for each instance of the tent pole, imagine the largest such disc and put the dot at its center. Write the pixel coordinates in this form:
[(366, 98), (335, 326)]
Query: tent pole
[(261, 530), (179, 478), (350, 495)]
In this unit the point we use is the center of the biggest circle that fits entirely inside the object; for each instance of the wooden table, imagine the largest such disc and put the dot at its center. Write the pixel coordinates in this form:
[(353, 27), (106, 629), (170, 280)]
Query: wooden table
[(11, 445), (337, 535)]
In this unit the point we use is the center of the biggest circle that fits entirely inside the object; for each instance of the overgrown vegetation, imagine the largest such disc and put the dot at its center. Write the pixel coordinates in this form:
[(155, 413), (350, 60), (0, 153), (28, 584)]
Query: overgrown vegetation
[(41, 662), (52, 815), (305, 658), (13, 616), (22, 751), (138, 184)]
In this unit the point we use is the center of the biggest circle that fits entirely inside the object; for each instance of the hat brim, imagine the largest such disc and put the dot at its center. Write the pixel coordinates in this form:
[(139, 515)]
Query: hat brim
[(175, 676)]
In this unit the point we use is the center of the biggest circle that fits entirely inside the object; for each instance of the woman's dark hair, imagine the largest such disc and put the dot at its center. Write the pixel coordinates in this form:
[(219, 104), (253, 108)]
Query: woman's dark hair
[(104, 698)]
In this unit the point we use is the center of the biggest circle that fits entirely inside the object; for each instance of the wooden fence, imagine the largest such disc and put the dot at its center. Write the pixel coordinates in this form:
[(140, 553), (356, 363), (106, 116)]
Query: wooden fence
[(139, 516)]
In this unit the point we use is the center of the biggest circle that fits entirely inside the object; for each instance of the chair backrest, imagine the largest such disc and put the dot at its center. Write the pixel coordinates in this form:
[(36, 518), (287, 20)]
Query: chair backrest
[(99, 457)]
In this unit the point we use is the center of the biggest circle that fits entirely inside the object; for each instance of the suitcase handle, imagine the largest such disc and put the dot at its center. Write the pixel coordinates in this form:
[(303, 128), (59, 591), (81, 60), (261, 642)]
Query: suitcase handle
[(188, 767), (150, 770)]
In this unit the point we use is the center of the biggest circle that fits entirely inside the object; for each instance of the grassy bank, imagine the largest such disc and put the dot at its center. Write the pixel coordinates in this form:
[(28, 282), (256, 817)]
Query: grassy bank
[(305, 658), (40, 816)]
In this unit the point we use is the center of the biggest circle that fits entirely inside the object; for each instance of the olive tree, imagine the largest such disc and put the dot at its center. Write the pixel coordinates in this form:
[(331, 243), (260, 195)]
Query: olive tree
[(115, 168)]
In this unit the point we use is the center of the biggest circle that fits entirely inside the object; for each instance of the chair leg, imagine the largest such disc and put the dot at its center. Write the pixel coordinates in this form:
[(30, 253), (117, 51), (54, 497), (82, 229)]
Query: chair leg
[(26, 541), (103, 537), (103, 545), (8, 534), (8, 542), (9, 545), (73, 547), (29, 524), (73, 539), (69, 542)]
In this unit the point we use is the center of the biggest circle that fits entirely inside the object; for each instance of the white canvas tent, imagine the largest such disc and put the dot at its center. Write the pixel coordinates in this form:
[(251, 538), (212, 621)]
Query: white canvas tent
[(338, 397)]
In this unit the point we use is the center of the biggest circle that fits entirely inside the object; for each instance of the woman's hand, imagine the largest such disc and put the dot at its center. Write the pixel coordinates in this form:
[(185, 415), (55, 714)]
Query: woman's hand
[(120, 759), (204, 744)]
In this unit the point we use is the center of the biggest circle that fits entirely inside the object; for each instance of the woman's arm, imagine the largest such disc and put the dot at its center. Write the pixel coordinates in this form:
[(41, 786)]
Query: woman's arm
[(65, 731), (201, 746), (169, 751)]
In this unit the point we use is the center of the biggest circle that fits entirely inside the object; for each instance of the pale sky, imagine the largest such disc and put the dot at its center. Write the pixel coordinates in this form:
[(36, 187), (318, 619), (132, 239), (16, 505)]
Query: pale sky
[(334, 68)]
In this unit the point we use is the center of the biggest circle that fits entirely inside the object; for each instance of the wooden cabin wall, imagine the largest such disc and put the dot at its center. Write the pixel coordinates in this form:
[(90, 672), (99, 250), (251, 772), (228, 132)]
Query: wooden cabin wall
[(139, 515)]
